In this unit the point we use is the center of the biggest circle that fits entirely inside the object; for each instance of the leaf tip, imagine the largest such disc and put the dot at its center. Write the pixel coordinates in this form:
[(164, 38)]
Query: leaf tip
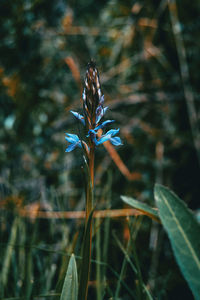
[(158, 188)]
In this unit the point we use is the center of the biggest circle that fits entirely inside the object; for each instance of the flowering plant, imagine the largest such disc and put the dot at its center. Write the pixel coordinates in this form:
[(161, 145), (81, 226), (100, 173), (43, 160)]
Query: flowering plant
[(93, 112)]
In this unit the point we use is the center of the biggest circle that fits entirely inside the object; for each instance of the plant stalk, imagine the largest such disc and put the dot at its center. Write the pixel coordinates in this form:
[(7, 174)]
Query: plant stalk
[(87, 245), (90, 186)]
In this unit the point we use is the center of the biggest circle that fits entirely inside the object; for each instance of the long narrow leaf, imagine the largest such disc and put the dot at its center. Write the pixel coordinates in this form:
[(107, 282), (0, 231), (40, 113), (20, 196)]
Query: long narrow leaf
[(8, 253), (70, 286), (85, 265), (184, 234), (143, 207)]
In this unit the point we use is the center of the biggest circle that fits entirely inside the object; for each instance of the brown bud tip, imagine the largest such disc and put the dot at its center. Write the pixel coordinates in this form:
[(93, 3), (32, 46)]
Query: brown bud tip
[(92, 91)]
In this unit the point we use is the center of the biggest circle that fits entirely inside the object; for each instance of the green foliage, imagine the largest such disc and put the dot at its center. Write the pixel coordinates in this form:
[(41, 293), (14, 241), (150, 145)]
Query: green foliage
[(182, 229), (184, 232), (86, 257), (143, 207), (70, 287), (148, 58), (8, 253)]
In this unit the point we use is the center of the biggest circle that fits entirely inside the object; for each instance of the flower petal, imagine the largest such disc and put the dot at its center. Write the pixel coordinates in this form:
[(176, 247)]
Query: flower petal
[(104, 124), (101, 102), (108, 136), (103, 139), (72, 138), (78, 116), (84, 95), (116, 141), (100, 112), (71, 147), (92, 134), (112, 132)]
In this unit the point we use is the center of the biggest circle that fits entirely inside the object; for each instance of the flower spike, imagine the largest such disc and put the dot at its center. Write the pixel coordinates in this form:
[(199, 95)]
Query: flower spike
[(93, 112)]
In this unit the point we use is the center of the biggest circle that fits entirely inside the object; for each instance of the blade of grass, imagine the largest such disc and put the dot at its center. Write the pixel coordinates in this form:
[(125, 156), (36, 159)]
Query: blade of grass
[(108, 267), (185, 75), (29, 263), (8, 255), (70, 287), (49, 277), (86, 256), (142, 287), (127, 251), (66, 246), (107, 196), (21, 251), (98, 255), (123, 266)]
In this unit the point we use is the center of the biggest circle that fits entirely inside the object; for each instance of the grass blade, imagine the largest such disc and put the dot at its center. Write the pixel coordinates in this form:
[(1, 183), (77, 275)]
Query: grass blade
[(70, 286), (8, 254), (184, 234), (98, 255), (86, 256)]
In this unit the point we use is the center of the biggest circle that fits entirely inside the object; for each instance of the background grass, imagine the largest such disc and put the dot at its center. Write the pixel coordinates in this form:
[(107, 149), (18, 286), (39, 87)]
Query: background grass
[(147, 55)]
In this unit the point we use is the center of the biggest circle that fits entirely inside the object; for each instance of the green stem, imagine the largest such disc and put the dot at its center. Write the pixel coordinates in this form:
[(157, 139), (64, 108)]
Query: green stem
[(86, 258), (91, 165), (87, 243), (90, 187)]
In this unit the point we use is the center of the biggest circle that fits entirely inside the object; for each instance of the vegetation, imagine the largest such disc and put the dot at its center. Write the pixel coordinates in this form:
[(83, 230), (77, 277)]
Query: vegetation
[(145, 241)]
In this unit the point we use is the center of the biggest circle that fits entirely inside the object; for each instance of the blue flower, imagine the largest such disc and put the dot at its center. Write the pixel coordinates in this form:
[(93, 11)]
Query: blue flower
[(100, 112), (74, 140), (109, 136), (78, 116), (104, 124)]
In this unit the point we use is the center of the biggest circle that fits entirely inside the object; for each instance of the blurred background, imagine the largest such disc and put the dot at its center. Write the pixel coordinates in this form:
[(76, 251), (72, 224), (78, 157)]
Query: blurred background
[(147, 53)]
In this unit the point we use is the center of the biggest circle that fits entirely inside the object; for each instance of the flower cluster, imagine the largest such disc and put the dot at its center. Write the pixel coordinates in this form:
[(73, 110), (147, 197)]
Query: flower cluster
[(93, 112)]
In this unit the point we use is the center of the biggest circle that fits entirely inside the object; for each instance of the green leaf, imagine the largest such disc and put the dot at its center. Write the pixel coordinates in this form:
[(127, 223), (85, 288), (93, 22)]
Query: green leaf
[(70, 286), (86, 256), (184, 234), (142, 207)]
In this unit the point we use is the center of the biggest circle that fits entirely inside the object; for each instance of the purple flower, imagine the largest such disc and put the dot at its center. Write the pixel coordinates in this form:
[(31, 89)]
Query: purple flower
[(74, 140)]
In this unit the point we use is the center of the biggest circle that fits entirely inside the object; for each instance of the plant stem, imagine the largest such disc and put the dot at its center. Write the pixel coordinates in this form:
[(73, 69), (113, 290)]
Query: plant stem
[(90, 186), (91, 165), (87, 245)]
